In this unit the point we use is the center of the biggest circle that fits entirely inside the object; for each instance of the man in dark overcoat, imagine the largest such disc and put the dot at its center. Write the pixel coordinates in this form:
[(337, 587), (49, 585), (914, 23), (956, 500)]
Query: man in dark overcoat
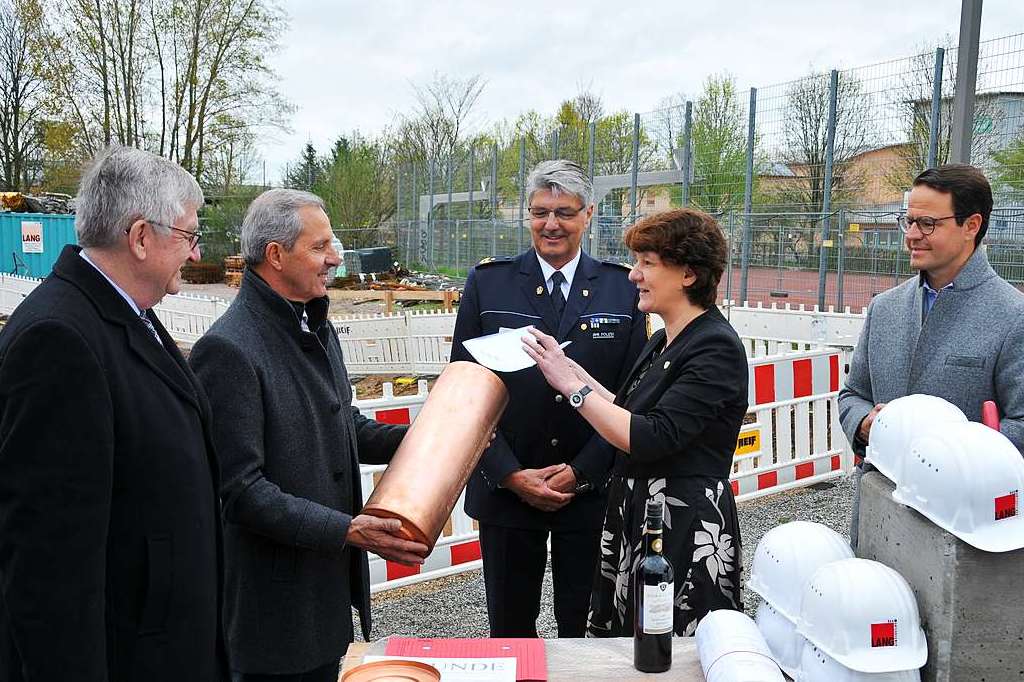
[(545, 474), (290, 442), (110, 545)]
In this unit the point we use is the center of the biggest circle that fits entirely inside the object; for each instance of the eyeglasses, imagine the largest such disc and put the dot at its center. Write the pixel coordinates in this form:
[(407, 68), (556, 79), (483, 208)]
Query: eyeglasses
[(538, 213), (924, 223), (193, 237)]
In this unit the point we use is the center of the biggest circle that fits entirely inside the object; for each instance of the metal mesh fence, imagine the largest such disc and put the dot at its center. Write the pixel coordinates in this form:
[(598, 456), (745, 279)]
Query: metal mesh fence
[(806, 177)]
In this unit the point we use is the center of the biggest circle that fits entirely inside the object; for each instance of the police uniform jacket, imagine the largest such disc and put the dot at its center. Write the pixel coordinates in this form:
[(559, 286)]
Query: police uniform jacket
[(539, 428)]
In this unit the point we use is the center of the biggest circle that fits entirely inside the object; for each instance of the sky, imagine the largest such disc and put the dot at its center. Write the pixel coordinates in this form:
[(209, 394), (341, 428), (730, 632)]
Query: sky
[(351, 65)]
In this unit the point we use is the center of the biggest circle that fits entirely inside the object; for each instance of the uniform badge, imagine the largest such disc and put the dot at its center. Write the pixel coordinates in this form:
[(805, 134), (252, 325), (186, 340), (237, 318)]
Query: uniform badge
[(540, 290)]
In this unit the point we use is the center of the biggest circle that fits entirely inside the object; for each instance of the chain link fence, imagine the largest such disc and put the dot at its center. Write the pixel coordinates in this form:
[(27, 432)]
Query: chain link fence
[(807, 177)]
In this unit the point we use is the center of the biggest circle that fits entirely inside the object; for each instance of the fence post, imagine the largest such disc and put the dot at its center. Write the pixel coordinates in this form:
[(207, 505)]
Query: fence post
[(966, 80), (448, 207), (472, 159), (748, 196), (522, 191), (687, 159), (933, 125), (732, 241), (840, 269), (826, 205), (415, 214), (636, 169), (458, 241), (494, 199), (595, 222), (554, 144), (430, 215)]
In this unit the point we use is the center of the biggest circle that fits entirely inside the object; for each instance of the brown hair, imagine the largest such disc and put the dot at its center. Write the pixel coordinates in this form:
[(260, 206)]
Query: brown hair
[(970, 190), (685, 236)]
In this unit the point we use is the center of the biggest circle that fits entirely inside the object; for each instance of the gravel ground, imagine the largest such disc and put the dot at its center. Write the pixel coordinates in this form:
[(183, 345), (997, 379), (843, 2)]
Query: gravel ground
[(455, 606)]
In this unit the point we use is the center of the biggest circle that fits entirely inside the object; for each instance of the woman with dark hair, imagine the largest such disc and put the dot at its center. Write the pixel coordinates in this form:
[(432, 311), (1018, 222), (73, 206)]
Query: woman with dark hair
[(674, 423)]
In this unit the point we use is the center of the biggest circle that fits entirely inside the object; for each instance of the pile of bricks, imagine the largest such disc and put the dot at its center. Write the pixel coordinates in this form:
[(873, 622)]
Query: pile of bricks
[(233, 267)]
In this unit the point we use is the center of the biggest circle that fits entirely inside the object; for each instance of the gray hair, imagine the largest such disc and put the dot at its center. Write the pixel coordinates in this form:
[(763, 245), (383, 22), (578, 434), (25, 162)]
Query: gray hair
[(124, 184), (561, 175), (274, 217)]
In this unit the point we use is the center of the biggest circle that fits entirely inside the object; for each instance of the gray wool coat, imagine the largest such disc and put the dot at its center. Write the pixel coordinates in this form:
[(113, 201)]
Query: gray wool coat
[(289, 443), (969, 349)]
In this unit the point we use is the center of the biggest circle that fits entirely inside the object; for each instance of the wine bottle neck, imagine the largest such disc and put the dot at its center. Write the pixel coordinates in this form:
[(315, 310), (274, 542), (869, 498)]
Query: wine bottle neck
[(652, 537)]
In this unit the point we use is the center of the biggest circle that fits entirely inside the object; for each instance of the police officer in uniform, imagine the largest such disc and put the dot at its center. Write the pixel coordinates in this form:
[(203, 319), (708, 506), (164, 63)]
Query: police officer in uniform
[(546, 471)]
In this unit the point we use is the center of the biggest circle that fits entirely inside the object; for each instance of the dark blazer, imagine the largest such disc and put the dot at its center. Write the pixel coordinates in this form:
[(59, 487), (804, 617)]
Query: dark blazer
[(288, 437), (110, 547), (539, 428), (689, 406)]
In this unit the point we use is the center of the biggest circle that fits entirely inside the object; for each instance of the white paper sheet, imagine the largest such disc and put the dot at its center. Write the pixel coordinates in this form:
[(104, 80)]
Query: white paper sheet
[(502, 352), (463, 669)]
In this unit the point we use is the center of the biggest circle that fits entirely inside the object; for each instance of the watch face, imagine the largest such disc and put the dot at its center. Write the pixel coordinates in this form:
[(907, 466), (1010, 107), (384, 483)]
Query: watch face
[(575, 400)]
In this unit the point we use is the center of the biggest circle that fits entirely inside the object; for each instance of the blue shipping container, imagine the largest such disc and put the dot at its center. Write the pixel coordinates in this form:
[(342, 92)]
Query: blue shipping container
[(31, 242)]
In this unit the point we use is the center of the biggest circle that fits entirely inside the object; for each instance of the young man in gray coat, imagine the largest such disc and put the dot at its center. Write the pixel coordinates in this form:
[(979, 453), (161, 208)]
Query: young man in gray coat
[(953, 331), (290, 443)]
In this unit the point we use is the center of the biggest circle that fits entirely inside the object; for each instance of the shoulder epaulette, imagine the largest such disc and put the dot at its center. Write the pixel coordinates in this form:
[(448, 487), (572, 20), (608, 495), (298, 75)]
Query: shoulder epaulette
[(616, 263), (491, 260)]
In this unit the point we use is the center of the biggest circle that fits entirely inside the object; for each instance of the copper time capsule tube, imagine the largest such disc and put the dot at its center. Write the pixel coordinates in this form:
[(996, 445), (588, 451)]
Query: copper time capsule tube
[(439, 453)]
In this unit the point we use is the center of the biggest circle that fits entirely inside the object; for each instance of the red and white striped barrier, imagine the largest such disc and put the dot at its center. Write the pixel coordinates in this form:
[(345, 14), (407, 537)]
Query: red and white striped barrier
[(773, 380)]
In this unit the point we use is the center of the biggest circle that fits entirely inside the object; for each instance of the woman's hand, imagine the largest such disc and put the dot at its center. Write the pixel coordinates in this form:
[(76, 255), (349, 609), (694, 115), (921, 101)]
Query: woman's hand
[(558, 371)]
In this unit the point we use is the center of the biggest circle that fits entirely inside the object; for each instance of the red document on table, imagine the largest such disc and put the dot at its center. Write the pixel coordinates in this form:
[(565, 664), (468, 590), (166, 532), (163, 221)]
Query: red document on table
[(531, 662)]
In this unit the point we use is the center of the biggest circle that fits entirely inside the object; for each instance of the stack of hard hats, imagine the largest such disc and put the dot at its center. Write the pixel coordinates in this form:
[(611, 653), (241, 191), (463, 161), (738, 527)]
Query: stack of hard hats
[(963, 476), (860, 619), (827, 616), (731, 649), (967, 479), (785, 559), (898, 423)]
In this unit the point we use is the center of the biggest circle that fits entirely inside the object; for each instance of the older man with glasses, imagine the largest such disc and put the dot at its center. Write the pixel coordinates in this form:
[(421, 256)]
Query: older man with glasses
[(546, 472), (110, 543), (953, 331)]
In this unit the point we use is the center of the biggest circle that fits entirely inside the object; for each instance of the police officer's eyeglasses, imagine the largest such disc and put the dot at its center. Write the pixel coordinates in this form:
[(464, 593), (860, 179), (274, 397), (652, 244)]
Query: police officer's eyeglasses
[(193, 237), (538, 213), (924, 223)]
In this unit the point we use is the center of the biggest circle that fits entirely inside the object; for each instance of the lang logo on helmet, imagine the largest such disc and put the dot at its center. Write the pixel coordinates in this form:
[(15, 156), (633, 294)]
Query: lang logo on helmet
[(883, 634), (1006, 506)]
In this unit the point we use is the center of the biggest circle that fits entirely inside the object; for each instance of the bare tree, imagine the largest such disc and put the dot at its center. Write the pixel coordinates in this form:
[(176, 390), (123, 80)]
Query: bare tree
[(806, 135), (443, 112), (22, 94)]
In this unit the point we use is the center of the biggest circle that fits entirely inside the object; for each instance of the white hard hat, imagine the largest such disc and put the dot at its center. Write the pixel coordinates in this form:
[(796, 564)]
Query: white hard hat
[(967, 479), (817, 666), (787, 556), (731, 649), (780, 633), (898, 423), (864, 615)]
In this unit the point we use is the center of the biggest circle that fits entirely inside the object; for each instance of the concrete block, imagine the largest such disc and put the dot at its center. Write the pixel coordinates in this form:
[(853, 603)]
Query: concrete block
[(971, 602)]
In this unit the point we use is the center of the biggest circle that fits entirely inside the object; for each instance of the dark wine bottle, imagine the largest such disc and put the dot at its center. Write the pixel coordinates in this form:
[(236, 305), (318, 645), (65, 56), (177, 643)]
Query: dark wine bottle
[(653, 599)]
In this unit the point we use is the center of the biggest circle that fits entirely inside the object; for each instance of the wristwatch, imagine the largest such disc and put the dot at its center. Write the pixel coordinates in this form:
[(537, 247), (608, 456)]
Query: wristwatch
[(576, 399), (582, 484)]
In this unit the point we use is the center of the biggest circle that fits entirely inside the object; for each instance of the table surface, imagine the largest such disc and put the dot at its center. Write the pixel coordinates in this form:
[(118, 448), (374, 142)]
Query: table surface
[(579, 660)]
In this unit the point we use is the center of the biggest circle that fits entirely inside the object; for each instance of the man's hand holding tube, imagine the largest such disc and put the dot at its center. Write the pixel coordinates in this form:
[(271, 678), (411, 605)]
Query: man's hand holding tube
[(380, 536)]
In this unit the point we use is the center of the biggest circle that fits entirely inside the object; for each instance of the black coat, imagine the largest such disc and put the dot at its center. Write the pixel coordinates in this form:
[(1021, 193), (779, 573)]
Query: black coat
[(689, 406), (109, 521), (288, 437), (539, 428)]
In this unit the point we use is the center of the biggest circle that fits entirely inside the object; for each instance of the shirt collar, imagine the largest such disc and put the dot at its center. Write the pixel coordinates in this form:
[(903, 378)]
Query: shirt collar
[(568, 270), (124, 294), (922, 281)]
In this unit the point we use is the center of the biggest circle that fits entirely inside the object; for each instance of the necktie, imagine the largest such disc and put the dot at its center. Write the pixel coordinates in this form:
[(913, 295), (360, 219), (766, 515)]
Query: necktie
[(557, 299), (149, 325)]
